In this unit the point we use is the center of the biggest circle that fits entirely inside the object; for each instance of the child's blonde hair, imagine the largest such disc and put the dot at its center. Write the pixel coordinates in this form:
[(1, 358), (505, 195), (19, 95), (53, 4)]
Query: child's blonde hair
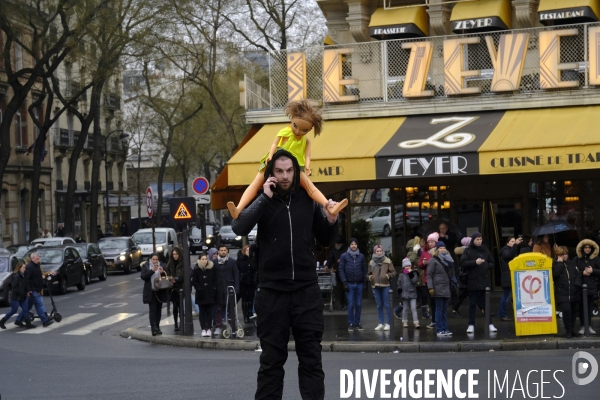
[(304, 110)]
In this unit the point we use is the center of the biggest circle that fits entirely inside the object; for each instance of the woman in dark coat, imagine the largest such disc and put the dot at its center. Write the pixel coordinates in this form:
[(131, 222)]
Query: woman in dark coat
[(478, 261), (153, 297), (507, 254), (18, 297), (246, 282), (567, 288), (204, 280), (588, 264), (175, 271), (440, 281)]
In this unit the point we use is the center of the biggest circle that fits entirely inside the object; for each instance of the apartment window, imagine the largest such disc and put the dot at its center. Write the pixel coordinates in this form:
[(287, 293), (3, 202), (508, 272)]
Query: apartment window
[(21, 138), (1, 47), (59, 169), (18, 55)]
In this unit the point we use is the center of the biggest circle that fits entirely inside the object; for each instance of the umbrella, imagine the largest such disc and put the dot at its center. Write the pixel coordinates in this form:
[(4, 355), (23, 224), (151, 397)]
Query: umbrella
[(559, 225), (434, 226)]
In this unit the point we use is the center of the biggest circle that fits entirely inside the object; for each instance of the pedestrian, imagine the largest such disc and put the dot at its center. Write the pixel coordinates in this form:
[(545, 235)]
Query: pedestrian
[(333, 264), (153, 296), (567, 288), (79, 239), (246, 282), (407, 288), (18, 297), (526, 245), (124, 229), (413, 246), (204, 280), (213, 253), (60, 231), (288, 296), (588, 264), (34, 282), (449, 238), (542, 245), (353, 272), (47, 234), (507, 254), (461, 279), (440, 282), (380, 273), (227, 275), (477, 261), (425, 255), (304, 117), (175, 271), (99, 233)]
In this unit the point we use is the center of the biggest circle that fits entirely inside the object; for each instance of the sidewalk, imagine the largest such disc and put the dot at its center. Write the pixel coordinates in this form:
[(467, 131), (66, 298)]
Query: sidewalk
[(337, 338)]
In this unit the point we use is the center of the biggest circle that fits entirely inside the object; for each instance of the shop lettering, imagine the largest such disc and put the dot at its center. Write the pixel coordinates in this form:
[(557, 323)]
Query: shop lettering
[(508, 59), (389, 31), (579, 158), (507, 162), (562, 15), (420, 166), (331, 171), (573, 158), (473, 23)]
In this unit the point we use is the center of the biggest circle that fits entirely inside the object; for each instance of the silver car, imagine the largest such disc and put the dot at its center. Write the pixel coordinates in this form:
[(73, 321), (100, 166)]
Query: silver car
[(8, 262)]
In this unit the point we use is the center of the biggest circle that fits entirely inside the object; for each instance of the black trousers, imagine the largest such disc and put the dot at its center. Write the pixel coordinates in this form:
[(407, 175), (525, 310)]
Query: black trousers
[(155, 311), (423, 295), (477, 300), (569, 312), (206, 316), (246, 292), (463, 293), (338, 291), (277, 313), (174, 297)]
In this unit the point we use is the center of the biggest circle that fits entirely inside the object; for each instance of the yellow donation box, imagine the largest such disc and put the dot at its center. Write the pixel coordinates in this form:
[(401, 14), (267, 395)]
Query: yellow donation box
[(533, 294)]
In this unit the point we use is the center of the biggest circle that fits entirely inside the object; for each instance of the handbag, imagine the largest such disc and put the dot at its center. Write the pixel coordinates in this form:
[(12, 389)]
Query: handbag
[(161, 283)]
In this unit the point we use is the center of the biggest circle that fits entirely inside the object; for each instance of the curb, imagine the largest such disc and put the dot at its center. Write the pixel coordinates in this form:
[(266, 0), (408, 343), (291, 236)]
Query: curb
[(372, 347)]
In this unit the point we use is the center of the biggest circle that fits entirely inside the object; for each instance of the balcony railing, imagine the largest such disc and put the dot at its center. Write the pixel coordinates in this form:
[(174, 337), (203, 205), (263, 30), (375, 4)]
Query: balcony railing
[(381, 69), (112, 101)]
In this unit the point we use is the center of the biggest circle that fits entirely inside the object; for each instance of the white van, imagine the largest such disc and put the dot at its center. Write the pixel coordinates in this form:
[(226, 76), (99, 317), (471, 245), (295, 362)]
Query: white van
[(166, 239)]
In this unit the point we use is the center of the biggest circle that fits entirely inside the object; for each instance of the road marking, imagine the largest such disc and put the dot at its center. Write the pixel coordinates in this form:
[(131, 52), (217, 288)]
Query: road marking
[(61, 298), (56, 325), (120, 283), (89, 291), (9, 324), (100, 324)]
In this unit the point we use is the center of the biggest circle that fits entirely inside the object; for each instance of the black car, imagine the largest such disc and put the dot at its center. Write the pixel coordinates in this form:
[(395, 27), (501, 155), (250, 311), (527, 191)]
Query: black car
[(8, 262), (195, 241), (95, 264), (121, 253), (229, 238), (67, 263)]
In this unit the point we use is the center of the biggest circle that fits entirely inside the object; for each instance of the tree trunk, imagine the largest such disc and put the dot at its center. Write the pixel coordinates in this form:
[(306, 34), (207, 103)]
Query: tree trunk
[(224, 118), (161, 175), (96, 160), (139, 188), (35, 183)]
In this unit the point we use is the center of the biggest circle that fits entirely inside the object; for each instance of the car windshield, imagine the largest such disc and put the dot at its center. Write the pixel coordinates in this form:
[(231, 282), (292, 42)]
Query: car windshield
[(116, 244), (51, 243), (82, 250), (4, 264), (146, 237), (196, 231), (50, 256), (226, 229), (21, 250)]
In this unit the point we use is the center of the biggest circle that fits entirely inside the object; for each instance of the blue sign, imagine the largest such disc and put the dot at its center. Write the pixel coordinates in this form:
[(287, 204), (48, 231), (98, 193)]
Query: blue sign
[(200, 185)]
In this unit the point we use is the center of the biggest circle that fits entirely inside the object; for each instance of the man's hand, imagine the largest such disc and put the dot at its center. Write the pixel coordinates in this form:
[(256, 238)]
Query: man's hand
[(330, 218), (346, 287), (431, 291), (479, 261), (269, 185)]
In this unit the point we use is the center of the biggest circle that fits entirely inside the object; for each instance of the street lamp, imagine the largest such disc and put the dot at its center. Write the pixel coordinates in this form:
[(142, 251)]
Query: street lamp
[(122, 136)]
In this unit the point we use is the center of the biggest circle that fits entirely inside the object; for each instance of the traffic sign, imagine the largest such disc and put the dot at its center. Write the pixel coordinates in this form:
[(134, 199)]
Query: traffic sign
[(202, 198), (183, 209), (200, 185), (149, 202)]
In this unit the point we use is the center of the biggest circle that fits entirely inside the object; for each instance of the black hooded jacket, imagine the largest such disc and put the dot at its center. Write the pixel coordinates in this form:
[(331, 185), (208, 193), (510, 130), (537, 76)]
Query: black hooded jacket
[(567, 281), (478, 276), (287, 229)]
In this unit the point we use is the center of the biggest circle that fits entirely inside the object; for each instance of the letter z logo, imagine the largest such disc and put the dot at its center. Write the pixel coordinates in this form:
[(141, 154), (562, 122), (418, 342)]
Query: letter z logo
[(450, 140)]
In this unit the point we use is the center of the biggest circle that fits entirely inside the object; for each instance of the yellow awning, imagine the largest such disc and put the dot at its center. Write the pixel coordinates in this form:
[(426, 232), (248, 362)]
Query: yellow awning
[(345, 151), (568, 11), (548, 139), (479, 10), (328, 41), (416, 16)]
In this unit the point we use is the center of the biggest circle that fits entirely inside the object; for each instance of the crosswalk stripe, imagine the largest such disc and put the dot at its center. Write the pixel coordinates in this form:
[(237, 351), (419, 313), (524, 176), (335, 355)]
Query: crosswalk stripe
[(56, 325), (100, 324)]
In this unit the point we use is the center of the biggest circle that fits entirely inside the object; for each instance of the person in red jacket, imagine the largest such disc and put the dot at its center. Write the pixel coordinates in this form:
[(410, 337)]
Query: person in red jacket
[(424, 258)]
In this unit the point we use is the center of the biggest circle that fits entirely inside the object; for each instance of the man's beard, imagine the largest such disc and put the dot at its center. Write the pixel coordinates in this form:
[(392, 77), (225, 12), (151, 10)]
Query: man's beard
[(281, 192)]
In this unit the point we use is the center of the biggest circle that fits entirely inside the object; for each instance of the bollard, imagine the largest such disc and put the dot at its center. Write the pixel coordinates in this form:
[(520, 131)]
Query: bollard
[(487, 318), (390, 316), (586, 316), (181, 311)]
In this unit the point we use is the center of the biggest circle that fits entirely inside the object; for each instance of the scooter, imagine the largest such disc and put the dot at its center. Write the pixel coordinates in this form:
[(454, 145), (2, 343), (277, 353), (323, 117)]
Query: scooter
[(54, 314)]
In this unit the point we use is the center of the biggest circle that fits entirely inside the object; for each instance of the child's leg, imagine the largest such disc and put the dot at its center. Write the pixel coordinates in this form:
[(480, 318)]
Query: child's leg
[(413, 308), (405, 310), (247, 197), (317, 196)]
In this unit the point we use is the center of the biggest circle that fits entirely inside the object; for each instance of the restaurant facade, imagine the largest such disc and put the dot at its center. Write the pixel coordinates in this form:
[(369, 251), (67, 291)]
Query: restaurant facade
[(492, 125)]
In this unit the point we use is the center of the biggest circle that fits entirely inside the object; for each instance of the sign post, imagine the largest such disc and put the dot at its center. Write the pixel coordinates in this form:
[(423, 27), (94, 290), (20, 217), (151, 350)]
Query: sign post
[(150, 211), (183, 211), (533, 294)]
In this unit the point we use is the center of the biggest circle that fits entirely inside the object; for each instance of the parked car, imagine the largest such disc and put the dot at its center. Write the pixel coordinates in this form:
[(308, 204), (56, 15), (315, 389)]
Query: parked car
[(8, 262), (20, 249), (67, 263), (93, 260), (54, 241), (165, 239), (381, 221), (195, 241), (121, 253), (229, 238), (252, 234)]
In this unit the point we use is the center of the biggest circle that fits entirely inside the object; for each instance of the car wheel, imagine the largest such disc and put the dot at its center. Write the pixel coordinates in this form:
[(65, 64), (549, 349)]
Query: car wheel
[(62, 285), (88, 276), (103, 276), (386, 230), (81, 284), (127, 269)]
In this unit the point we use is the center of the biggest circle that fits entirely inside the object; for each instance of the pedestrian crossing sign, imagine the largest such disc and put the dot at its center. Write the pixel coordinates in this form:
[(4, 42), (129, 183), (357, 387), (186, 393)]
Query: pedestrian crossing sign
[(183, 209)]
